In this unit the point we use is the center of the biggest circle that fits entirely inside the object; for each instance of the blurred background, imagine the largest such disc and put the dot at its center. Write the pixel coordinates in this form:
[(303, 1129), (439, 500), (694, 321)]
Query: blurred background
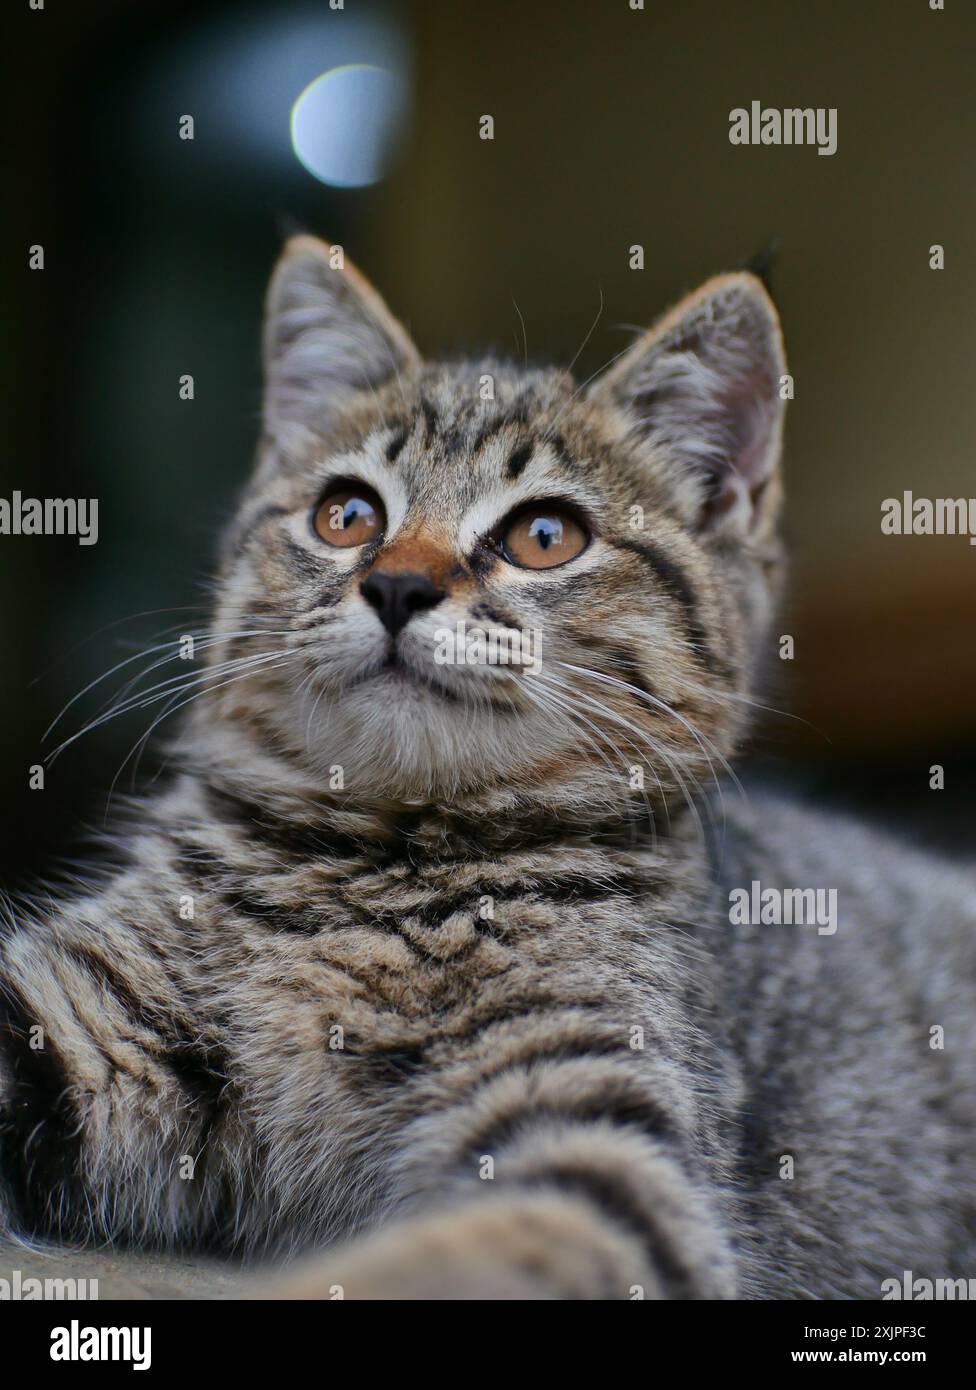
[(611, 129)]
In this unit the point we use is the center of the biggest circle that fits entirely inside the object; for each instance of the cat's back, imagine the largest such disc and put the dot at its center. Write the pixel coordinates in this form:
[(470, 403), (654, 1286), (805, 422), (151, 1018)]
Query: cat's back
[(854, 1028), (898, 903)]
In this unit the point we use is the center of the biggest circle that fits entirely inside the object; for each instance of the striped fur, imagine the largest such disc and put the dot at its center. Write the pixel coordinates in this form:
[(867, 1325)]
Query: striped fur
[(472, 1013)]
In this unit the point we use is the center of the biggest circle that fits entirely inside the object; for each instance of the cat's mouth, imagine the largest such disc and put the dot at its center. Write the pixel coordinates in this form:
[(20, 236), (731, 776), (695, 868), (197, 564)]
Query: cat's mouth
[(399, 671), (396, 669)]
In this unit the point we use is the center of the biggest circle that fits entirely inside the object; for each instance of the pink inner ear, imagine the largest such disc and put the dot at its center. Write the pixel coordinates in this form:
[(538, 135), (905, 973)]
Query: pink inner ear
[(750, 420), (742, 481)]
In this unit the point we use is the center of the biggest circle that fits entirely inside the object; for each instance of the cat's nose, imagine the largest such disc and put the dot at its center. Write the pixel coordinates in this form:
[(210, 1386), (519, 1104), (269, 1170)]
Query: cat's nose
[(397, 597)]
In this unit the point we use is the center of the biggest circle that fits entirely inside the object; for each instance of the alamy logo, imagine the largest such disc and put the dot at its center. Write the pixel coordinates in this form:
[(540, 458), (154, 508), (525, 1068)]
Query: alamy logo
[(50, 516), (18, 1289), (909, 515), (474, 646), (776, 907), (77, 1343), (912, 1290), (795, 125)]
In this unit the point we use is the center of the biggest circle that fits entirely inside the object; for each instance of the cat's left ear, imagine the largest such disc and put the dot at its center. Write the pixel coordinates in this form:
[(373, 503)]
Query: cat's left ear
[(704, 389), (328, 336)]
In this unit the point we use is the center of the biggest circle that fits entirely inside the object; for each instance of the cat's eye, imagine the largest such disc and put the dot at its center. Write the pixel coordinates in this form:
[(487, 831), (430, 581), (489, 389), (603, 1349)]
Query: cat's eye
[(350, 514), (542, 536)]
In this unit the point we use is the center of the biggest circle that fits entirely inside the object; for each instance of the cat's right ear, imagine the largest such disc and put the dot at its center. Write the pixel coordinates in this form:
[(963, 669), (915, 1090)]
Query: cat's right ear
[(327, 337), (703, 389)]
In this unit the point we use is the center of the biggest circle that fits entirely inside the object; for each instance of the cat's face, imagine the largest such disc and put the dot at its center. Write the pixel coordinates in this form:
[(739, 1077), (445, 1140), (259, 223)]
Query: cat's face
[(479, 575)]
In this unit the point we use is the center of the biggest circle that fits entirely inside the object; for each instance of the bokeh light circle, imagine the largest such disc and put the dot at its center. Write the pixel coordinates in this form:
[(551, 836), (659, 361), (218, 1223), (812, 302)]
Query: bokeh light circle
[(345, 125)]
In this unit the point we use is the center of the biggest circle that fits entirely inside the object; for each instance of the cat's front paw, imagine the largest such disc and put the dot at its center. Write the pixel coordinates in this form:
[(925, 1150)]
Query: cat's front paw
[(531, 1247)]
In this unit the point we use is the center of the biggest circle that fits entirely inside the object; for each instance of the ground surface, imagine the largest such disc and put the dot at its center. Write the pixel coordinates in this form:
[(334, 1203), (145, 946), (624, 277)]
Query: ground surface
[(126, 1274)]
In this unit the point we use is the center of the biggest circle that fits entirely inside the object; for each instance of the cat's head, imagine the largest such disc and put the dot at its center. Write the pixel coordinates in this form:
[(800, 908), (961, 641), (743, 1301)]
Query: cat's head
[(478, 574)]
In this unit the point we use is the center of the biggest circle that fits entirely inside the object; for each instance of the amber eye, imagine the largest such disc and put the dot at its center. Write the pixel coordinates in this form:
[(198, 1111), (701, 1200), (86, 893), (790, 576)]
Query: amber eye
[(542, 536), (351, 514)]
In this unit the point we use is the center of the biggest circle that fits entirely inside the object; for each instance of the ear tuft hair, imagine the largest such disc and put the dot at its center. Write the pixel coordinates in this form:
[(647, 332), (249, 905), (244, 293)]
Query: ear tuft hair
[(761, 263)]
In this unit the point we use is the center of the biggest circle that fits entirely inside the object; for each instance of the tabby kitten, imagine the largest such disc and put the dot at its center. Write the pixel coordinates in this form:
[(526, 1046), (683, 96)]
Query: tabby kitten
[(432, 962)]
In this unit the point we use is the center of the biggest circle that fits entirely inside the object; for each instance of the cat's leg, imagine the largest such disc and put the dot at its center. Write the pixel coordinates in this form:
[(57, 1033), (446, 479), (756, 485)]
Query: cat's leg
[(110, 1091), (541, 1245), (592, 1211)]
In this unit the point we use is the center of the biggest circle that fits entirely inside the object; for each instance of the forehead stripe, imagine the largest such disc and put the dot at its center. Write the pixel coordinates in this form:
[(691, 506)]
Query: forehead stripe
[(517, 415), (516, 464), (396, 444), (430, 418)]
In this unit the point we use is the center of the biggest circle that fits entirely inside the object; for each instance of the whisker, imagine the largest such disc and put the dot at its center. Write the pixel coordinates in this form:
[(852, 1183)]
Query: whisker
[(144, 698), (204, 641), (571, 693), (657, 747), (719, 696), (589, 333), (704, 744), (583, 385), (525, 341), (574, 714), (200, 609), (282, 660), (567, 706)]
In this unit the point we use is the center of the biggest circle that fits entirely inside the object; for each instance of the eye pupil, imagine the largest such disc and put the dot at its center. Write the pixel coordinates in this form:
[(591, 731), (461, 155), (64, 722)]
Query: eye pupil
[(546, 531)]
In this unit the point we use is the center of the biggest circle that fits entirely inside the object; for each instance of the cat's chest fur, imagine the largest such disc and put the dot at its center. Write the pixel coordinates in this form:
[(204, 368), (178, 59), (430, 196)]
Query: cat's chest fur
[(365, 959), (361, 983)]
